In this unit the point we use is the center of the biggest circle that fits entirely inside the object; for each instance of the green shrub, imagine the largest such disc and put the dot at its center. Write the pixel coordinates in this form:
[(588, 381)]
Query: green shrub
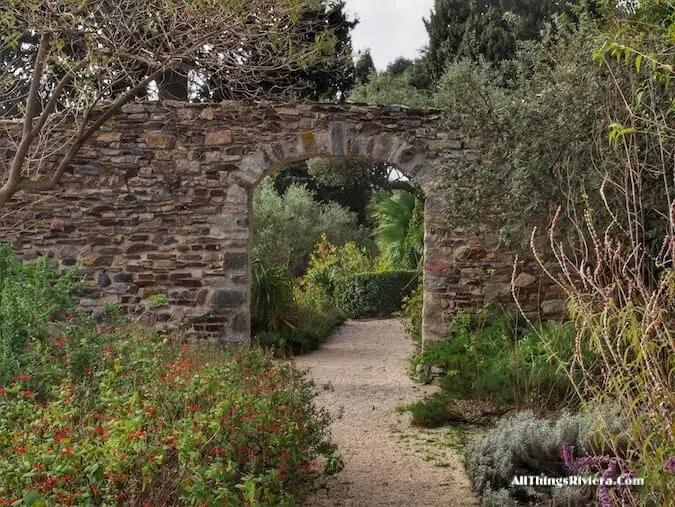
[(525, 445), (313, 327), (34, 301), (373, 294), (411, 315), (156, 422), (124, 417), (327, 264), (434, 411), (489, 358), (287, 227), (273, 303)]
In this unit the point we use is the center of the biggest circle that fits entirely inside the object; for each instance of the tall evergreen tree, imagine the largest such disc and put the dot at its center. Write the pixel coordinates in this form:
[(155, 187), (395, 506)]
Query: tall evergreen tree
[(364, 67), (488, 29)]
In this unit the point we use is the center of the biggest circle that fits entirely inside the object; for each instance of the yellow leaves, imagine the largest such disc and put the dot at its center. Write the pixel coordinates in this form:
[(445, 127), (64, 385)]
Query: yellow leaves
[(618, 131)]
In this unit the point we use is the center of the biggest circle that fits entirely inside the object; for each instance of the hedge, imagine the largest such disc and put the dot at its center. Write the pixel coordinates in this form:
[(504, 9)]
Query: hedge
[(373, 294)]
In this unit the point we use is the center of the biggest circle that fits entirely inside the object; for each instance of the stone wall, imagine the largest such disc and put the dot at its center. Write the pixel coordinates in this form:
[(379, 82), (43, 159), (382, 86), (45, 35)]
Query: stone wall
[(160, 203)]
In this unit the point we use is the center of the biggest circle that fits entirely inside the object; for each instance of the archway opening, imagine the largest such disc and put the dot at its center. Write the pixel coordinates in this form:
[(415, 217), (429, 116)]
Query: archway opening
[(333, 238)]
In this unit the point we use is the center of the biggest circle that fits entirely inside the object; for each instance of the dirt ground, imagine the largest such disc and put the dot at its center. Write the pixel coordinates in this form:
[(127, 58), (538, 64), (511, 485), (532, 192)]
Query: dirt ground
[(361, 374)]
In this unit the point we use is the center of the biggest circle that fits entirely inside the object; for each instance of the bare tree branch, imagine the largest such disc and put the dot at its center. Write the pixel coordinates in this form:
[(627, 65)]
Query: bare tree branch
[(90, 58)]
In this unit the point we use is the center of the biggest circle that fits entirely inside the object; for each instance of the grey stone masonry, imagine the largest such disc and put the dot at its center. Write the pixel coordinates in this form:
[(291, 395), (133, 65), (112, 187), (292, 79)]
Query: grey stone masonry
[(159, 202)]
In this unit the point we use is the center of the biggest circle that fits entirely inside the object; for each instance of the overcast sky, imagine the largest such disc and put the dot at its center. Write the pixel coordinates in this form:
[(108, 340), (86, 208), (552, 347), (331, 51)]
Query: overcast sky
[(390, 28)]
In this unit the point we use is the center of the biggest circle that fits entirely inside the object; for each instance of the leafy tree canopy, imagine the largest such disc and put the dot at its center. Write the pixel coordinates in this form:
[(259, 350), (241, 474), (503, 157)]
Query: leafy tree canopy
[(488, 29)]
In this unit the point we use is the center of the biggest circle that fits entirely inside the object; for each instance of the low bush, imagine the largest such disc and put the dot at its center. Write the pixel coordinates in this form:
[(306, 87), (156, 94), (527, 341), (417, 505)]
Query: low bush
[(33, 299), (287, 227), (126, 417), (526, 445), (313, 327), (373, 294), (328, 263), (489, 358), (438, 409)]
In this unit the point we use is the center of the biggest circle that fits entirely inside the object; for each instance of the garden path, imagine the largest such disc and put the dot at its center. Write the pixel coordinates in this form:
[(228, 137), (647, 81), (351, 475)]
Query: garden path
[(361, 373)]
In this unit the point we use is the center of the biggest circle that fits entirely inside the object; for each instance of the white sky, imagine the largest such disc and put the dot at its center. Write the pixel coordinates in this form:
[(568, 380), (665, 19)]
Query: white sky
[(390, 28)]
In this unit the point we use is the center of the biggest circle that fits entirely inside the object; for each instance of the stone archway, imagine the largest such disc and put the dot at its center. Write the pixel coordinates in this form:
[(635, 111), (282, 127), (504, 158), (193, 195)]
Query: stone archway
[(159, 203), (336, 140)]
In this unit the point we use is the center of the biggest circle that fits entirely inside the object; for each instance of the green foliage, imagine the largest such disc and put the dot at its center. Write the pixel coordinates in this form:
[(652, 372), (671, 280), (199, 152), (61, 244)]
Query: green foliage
[(288, 226), (526, 445), (412, 313), (158, 300), (272, 299), (125, 417), (313, 325), (487, 30), (623, 305), (296, 321), (157, 422), (399, 230), (541, 120), (364, 67), (386, 89), (33, 299), (373, 294), (435, 411), (399, 66), (488, 358), (327, 265), (543, 115)]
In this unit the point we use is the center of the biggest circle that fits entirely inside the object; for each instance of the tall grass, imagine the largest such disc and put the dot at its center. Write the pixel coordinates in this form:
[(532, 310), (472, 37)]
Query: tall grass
[(620, 276), (273, 302)]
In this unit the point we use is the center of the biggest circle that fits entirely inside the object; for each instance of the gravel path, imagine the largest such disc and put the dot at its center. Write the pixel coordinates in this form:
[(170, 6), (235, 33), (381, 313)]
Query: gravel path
[(361, 373)]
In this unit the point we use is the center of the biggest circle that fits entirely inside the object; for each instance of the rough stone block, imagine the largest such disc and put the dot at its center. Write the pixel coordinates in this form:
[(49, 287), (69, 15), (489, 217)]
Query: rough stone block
[(218, 138), (160, 141), (227, 299), (109, 137), (524, 280), (553, 308)]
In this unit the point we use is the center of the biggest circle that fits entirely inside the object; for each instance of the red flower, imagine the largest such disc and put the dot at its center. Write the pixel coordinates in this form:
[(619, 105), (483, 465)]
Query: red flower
[(20, 450), (193, 408), (59, 342), (27, 394), (218, 451), (107, 350), (135, 436)]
